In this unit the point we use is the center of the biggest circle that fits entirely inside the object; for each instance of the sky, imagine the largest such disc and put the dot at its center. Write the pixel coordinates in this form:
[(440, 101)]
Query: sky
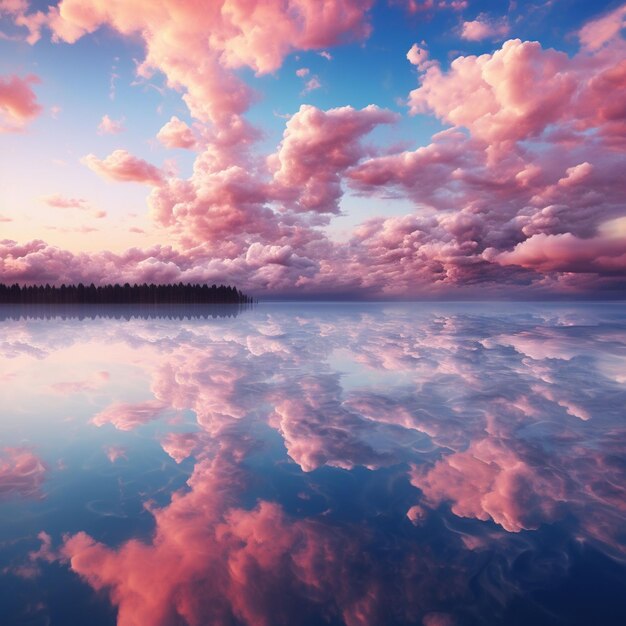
[(357, 149)]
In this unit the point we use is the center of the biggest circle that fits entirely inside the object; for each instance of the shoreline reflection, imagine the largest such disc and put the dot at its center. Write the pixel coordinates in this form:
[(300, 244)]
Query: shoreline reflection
[(126, 312)]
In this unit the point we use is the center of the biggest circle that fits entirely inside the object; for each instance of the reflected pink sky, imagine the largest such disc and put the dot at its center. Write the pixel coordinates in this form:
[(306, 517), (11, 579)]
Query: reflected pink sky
[(489, 432)]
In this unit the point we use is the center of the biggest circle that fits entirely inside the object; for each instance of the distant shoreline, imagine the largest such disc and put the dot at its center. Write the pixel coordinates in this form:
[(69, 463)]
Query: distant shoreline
[(126, 294)]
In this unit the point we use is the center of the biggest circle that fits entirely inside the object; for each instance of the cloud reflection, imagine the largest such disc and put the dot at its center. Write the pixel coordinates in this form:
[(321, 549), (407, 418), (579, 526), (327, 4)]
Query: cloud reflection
[(460, 433), (21, 473)]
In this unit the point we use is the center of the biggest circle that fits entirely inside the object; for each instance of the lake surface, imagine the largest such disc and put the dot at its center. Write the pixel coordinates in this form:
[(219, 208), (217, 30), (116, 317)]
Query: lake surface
[(304, 464)]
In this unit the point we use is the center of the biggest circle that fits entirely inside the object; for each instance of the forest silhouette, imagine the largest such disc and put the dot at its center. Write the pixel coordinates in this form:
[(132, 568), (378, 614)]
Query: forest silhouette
[(177, 293)]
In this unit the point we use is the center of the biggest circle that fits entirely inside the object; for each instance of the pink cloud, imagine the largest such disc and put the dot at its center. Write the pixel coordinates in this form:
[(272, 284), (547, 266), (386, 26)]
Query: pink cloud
[(128, 416), (596, 33), (302, 72), (247, 564), (317, 147), (229, 193), (490, 482), (176, 134), (311, 85), (13, 7), (430, 175), (489, 467), (567, 253), (318, 430), (576, 174), (21, 472), (122, 166), (58, 201), (602, 105), (513, 94), (224, 202), (418, 56), (18, 102), (517, 92), (259, 37), (417, 6), (223, 207), (443, 254), (484, 27), (211, 391), (37, 261), (539, 155), (114, 453), (180, 446), (45, 552), (108, 126)]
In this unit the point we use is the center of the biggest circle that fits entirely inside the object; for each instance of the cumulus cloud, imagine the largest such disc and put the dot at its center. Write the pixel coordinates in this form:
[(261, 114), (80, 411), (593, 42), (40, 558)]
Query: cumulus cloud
[(176, 134), (224, 202), (567, 253), (223, 207), (513, 94), (317, 147), (518, 91), (180, 446), (18, 102), (121, 166), (227, 199), (108, 126), (484, 27), (463, 175), (319, 430), (535, 150), (489, 482), (418, 55), (238, 36), (247, 565)]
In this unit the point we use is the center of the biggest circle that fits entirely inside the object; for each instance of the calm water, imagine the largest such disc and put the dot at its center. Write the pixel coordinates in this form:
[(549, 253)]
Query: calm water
[(306, 464)]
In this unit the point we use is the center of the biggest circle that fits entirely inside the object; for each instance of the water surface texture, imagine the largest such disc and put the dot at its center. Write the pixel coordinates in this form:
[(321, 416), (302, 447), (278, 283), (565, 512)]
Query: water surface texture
[(304, 464)]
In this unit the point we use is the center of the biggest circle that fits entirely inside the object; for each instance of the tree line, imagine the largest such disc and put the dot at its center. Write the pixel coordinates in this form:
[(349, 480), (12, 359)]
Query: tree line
[(177, 293)]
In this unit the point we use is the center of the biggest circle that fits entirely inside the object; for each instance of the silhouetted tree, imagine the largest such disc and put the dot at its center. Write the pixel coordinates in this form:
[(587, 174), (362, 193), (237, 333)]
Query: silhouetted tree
[(117, 294)]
